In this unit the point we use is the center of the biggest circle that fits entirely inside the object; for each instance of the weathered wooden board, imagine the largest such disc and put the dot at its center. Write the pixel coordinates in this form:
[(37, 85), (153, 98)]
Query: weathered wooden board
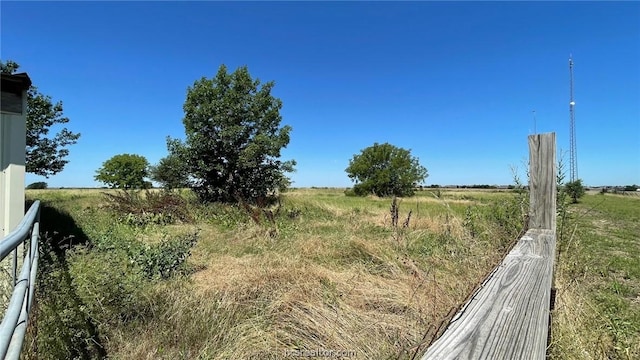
[(542, 181), (508, 316)]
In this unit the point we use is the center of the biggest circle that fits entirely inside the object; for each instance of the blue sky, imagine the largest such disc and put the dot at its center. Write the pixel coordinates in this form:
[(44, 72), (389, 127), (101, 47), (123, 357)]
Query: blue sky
[(455, 82)]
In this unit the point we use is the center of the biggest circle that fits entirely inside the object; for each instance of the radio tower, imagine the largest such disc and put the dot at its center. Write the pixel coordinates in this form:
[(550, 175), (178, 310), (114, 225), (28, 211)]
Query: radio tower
[(573, 166)]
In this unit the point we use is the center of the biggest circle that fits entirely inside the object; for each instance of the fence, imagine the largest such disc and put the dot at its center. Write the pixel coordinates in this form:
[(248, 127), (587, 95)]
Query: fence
[(14, 323), (508, 316)]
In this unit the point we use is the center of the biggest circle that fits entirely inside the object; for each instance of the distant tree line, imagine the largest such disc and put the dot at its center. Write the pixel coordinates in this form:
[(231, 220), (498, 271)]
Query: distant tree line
[(476, 186), (437, 186), (615, 189)]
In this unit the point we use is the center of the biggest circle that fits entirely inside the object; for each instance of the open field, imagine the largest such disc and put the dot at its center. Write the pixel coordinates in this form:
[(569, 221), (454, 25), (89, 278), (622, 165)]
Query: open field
[(329, 272), (597, 313)]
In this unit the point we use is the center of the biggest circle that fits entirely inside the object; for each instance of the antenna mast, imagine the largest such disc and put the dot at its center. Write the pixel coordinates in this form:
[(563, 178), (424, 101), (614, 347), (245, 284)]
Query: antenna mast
[(573, 166)]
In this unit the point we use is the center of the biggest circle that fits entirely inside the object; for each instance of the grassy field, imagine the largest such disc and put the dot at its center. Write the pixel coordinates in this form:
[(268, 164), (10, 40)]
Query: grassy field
[(319, 271), (597, 313)]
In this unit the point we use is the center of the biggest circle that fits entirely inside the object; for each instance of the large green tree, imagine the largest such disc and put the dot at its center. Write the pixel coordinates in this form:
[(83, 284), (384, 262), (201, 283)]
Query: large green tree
[(233, 138), (124, 171), (385, 170), (45, 155), (171, 172)]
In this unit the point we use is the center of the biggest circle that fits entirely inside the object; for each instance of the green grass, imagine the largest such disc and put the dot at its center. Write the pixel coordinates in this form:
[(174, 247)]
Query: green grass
[(598, 274), (328, 272)]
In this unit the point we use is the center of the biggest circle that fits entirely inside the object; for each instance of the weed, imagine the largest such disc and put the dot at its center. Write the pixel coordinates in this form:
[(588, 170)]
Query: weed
[(399, 232), (165, 258), (109, 285), (149, 207)]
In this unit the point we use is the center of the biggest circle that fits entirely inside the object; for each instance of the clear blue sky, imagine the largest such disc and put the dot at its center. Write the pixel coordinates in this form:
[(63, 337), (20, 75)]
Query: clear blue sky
[(455, 82)]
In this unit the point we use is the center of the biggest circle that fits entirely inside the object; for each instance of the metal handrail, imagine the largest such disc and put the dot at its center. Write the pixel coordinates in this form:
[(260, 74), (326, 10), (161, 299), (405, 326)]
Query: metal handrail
[(14, 323), (17, 236)]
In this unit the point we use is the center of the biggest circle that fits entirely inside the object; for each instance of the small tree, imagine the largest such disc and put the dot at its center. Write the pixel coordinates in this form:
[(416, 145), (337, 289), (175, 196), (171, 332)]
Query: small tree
[(45, 155), (233, 138), (125, 171), (385, 170), (575, 190), (170, 172)]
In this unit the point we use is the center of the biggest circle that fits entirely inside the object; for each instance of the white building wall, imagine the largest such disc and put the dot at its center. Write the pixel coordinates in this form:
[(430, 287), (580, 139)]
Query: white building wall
[(12, 165)]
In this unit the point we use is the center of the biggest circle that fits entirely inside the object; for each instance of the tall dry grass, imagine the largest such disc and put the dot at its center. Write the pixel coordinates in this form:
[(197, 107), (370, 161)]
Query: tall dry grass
[(330, 272)]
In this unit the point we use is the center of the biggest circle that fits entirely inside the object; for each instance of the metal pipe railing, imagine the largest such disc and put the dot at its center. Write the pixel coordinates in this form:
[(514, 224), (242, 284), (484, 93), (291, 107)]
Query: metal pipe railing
[(14, 323)]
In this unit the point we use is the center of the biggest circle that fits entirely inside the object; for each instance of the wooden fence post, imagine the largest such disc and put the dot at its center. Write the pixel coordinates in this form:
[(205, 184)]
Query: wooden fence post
[(542, 181), (508, 316)]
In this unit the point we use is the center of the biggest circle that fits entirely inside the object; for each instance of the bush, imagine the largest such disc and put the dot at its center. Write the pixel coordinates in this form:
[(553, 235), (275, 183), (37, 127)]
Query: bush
[(37, 185), (148, 207), (166, 258), (575, 190), (110, 287), (225, 215), (64, 327), (89, 295), (350, 192)]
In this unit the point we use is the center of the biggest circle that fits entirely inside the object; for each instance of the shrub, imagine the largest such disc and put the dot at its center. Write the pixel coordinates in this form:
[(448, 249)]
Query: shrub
[(61, 321), (148, 207), (350, 192), (166, 258), (575, 190), (109, 285)]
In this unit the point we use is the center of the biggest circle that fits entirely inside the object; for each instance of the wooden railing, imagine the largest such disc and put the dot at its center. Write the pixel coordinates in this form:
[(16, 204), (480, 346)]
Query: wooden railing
[(508, 316)]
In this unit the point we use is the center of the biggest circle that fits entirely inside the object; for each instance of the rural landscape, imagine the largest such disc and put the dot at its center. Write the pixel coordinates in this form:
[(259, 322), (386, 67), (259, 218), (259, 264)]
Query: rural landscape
[(226, 260), (318, 270), (180, 206)]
